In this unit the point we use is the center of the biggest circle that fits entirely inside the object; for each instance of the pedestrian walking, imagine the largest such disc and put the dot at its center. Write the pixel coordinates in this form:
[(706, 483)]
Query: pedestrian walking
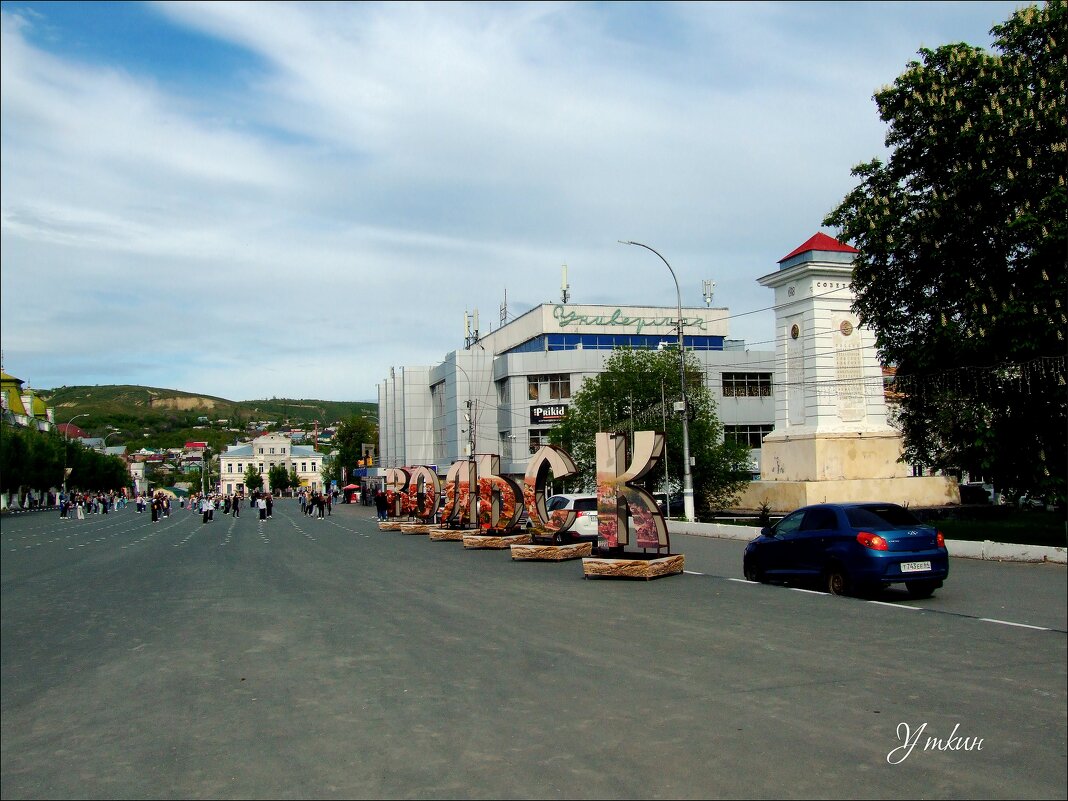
[(234, 506)]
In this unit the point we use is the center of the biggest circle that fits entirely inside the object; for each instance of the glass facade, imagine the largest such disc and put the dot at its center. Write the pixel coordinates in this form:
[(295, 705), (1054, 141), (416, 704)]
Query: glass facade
[(549, 342)]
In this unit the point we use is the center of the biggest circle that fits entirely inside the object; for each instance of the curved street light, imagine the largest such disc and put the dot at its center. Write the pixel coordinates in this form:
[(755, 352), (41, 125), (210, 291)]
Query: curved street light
[(687, 476), (66, 431), (66, 434)]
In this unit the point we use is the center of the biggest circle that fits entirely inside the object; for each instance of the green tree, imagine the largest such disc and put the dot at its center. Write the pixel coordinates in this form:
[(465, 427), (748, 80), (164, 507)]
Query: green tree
[(278, 478), (636, 392), (331, 470), (253, 479), (348, 441), (962, 238)]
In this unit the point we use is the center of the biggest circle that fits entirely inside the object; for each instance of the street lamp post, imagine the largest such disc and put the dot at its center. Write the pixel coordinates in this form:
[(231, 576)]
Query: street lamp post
[(470, 413), (687, 476), (66, 434), (104, 446)]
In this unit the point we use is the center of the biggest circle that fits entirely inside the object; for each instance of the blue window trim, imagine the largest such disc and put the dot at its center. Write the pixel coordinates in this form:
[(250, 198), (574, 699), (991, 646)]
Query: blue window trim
[(558, 342)]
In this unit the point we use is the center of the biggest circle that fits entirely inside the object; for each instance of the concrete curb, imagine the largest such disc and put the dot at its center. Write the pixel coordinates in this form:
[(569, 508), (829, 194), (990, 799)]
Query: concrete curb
[(995, 551)]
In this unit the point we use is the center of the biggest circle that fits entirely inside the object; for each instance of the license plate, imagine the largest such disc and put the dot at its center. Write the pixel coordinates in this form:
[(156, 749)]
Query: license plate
[(915, 567)]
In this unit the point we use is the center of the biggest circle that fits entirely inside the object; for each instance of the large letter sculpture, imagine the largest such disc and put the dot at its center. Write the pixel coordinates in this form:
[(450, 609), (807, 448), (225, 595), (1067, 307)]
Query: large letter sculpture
[(424, 490), (396, 486), (458, 509), (549, 458), (499, 497), (616, 496)]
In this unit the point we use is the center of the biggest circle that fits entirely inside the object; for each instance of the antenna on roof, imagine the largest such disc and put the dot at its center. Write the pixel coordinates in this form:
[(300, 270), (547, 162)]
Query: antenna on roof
[(564, 294), (707, 289), (504, 308)]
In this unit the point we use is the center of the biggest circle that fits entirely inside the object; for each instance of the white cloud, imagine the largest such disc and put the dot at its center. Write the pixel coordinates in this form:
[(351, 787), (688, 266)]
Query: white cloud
[(380, 168)]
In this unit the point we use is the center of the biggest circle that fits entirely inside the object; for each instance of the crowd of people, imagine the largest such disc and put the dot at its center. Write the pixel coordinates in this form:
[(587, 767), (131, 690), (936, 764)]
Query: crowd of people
[(313, 503), (320, 504), (79, 504)]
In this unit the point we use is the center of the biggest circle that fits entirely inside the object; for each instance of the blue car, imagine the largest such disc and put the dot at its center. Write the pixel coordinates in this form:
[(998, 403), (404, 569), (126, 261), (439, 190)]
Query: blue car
[(850, 549)]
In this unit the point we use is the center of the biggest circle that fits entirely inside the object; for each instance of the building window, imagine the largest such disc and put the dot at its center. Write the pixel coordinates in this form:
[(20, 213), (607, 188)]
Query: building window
[(239, 468), (502, 391), (537, 437), (750, 435), (746, 385), (283, 451), (229, 467), (556, 386), (272, 450), (313, 466), (304, 467), (261, 468), (261, 451)]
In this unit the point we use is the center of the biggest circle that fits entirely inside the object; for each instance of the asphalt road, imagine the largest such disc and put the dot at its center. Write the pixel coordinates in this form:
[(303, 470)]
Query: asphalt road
[(300, 658)]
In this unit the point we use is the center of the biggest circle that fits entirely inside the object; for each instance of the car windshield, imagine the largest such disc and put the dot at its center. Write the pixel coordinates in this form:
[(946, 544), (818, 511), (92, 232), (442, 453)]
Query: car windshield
[(881, 517)]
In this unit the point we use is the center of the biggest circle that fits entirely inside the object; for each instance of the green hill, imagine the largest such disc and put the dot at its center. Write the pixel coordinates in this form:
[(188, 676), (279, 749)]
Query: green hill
[(156, 417)]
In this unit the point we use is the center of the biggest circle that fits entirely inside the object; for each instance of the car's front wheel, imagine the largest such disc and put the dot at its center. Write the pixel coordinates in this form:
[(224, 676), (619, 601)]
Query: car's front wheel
[(751, 573)]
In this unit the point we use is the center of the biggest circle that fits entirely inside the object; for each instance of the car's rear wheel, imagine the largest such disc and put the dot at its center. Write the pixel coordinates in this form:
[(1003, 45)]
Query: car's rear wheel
[(836, 580), (922, 589)]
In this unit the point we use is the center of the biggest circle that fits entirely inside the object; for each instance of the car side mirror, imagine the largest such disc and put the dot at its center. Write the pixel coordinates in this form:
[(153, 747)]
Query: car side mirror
[(767, 531)]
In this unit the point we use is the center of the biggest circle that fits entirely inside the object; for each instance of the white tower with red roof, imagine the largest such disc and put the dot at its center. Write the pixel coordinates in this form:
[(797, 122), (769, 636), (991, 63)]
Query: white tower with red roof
[(831, 441)]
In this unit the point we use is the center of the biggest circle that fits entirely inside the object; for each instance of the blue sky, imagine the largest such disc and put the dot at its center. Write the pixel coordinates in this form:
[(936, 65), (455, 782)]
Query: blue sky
[(253, 200)]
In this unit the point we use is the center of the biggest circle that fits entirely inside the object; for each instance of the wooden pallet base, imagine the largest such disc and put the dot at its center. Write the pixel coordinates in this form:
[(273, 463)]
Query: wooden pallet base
[(633, 567), (497, 541), (389, 525), (552, 553), (415, 528), (447, 534)]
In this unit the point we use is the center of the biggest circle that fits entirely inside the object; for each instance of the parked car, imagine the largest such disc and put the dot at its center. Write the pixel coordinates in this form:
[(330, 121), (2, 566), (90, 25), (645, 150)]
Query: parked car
[(676, 506), (850, 548), (585, 507)]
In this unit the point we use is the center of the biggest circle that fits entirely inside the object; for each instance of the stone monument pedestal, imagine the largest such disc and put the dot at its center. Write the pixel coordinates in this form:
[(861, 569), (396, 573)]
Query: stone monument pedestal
[(841, 468)]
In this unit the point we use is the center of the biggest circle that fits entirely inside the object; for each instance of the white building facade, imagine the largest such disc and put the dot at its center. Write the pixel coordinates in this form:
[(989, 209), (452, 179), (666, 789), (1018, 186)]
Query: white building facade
[(504, 392), (263, 453)]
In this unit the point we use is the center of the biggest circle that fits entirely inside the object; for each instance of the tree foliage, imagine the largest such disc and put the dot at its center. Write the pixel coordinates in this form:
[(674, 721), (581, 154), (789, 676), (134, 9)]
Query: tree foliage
[(278, 478), (253, 479), (348, 440), (30, 459), (636, 392), (961, 271)]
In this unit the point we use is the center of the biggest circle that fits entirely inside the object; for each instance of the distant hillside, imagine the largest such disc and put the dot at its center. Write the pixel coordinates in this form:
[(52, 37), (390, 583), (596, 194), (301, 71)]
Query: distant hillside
[(146, 412)]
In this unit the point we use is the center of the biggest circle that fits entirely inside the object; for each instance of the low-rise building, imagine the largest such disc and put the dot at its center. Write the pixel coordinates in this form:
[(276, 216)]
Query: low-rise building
[(265, 452)]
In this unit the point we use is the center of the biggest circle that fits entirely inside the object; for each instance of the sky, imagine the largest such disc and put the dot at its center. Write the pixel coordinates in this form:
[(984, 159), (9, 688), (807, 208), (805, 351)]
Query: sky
[(255, 200)]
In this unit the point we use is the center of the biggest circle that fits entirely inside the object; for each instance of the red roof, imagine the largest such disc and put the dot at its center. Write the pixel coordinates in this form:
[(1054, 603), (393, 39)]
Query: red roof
[(820, 242), (195, 445)]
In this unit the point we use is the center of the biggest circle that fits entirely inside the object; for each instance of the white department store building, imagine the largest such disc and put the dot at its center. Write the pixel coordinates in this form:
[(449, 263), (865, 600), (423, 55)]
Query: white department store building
[(266, 452), (514, 383)]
